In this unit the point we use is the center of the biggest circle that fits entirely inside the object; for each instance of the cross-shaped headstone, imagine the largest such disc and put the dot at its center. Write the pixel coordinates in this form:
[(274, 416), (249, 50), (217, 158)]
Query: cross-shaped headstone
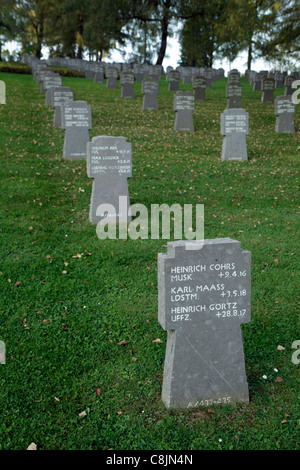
[(184, 105), (199, 86), (109, 163), (77, 121), (150, 88), (203, 298), (234, 128), (58, 97), (284, 109), (127, 83)]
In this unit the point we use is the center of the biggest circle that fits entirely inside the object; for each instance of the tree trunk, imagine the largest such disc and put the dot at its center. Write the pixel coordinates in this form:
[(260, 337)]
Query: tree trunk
[(39, 38), (164, 33), (249, 61)]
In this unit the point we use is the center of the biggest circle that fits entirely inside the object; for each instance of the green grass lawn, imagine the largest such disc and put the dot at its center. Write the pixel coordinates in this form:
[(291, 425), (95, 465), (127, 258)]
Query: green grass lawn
[(68, 298)]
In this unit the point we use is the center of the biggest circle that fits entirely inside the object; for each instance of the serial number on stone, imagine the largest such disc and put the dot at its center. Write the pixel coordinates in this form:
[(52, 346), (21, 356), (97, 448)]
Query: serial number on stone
[(211, 401)]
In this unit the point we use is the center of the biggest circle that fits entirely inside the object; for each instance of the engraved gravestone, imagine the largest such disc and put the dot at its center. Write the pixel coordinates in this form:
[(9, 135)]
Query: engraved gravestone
[(2, 92), (234, 128), (268, 86), (284, 109), (99, 73), (186, 75), (184, 105), (233, 95), (288, 85), (199, 86), (203, 298), (50, 81), (150, 90), (127, 83), (174, 79), (111, 77), (77, 121), (278, 79), (59, 97), (109, 163)]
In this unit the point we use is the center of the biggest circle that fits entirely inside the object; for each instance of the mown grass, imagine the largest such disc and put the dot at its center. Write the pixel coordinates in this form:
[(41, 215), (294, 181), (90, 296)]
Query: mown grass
[(69, 298)]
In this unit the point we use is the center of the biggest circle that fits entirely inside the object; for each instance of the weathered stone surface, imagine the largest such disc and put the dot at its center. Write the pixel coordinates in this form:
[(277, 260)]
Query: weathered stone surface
[(204, 290)]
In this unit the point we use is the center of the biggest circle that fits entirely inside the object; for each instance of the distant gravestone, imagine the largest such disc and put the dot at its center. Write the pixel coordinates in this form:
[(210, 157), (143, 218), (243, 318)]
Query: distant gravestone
[(111, 77), (234, 128), (174, 79), (139, 72), (199, 86), (234, 95), (109, 163), (288, 85), (285, 111), (268, 86), (2, 92), (150, 90), (204, 291), (99, 73), (208, 76), (77, 121), (127, 83), (278, 79), (184, 105), (186, 75), (59, 97), (234, 77)]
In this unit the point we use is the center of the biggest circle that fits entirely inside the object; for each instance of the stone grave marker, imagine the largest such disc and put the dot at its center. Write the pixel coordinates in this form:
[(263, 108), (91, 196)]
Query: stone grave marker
[(233, 95), (186, 75), (184, 105), (173, 79), (59, 97), (204, 291), (2, 92), (77, 121), (208, 75), (199, 86), (127, 83), (234, 128), (99, 73), (268, 86), (288, 85), (284, 110), (139, 72), (278, 79), (111, 77), (150, 88), (109, 163)]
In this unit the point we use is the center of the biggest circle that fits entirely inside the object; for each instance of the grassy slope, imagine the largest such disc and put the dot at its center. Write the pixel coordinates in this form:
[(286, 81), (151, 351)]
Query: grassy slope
[(62, 330)]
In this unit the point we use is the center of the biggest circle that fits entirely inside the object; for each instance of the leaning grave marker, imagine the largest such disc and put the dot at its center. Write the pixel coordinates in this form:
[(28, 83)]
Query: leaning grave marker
[(77, 121), (204, 289), (109, 163)]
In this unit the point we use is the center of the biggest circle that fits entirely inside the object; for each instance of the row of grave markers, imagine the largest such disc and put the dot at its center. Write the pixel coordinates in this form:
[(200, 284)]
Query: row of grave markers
[(204, 361), (204, 286)]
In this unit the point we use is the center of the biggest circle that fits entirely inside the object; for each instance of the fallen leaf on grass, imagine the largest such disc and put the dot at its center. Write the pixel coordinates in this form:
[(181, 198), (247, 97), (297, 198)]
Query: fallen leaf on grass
[(82, 414), (32, 446), (279, 379), (122, 342), (157, 340), (98, 391), (280, 348), (18, 283)]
